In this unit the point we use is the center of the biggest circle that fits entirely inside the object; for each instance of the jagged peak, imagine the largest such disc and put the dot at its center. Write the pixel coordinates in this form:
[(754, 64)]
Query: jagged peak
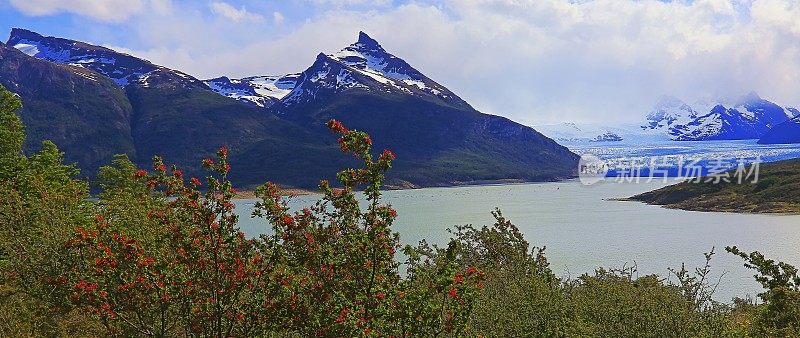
[(718, 109), (219, 79), (366, 41), (752, 96), (22, 33)]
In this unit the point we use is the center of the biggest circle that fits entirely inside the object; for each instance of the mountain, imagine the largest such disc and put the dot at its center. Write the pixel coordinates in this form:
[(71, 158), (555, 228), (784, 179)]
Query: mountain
[(262, 91), (787, 132), (749, 117), (366, 66), (274, 125), (427, 125), (668, 112), (122, 68), (65, 104), (161, 112)]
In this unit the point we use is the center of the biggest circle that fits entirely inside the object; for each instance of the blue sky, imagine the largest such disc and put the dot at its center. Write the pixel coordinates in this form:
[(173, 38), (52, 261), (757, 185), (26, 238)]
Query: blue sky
[(535, 61)]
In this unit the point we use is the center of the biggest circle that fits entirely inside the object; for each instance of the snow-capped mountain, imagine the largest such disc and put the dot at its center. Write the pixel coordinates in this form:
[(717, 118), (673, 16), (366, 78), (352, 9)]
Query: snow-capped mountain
[(669, 111), (122, 68), (366, 66), (91, 97), (787, 132), (578, 133), (748, 117), (263, 91)]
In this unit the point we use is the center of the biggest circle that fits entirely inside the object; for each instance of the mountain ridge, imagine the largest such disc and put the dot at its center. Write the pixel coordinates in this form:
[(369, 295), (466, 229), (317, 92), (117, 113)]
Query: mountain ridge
[(274, 125), (748, 117)]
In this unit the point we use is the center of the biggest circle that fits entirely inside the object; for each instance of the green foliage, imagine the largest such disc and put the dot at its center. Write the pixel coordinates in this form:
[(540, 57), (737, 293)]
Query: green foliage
[(523, 298), (40, 203), (777, 191), (160, 254), (12, 131), (780, 314)]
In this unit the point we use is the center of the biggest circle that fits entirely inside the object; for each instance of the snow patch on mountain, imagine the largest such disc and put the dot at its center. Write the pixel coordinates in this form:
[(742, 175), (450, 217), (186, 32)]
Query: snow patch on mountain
[(365, 65), (122, 68), (669, 111), (263, 91)]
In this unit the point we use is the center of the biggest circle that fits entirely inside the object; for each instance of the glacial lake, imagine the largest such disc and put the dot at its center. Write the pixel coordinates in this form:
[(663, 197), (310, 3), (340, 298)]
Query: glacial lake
[(583, 229)]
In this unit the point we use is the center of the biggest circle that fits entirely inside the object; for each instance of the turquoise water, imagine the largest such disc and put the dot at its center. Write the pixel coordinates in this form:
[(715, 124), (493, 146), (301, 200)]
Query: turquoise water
[(583, 230)]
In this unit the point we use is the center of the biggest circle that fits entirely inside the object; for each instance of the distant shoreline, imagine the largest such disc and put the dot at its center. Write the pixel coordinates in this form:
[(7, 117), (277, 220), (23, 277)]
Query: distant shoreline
[(777, 191), (290, 192)]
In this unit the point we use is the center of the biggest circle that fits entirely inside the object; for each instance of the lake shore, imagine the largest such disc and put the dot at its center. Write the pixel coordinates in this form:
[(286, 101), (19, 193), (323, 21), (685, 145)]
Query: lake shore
[(776, 190)]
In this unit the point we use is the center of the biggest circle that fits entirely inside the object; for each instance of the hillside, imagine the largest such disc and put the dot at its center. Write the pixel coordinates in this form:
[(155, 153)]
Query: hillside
[(65, 104), (777, 191), (787, 132), (110, 102), (438, 137)]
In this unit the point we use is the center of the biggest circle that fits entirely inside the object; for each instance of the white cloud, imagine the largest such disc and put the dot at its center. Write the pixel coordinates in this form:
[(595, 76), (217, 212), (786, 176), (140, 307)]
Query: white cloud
[(343, 3), (102, 10), (535, 61), (228, 11), (277, 17)]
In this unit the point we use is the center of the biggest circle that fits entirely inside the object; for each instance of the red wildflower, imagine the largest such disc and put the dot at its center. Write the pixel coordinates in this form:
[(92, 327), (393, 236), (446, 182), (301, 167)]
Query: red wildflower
[(452, 292), (309, 238), (388, 154), (288, 220), (471, 270), (223, 152), (342, 315), (196, 182), (381, 295), (459, 278), (147, 261), (140, 173), (177, 173), (392, 212), (208, 162), (337, 126), (368, 140), (161, 167)]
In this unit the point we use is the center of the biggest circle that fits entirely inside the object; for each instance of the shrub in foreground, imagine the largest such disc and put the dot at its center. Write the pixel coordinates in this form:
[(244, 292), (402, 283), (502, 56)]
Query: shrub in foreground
[(160, 254)]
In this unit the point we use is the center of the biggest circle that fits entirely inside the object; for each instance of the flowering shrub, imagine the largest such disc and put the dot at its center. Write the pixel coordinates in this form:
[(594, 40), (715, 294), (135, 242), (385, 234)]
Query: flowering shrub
[(161, 257), (160, 254)]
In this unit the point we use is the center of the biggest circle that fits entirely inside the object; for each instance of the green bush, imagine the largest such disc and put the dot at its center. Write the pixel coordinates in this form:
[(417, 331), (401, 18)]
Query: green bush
[(159, 254)]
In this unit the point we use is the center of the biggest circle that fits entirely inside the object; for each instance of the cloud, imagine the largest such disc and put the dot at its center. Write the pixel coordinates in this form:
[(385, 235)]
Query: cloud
[(344, 3), (535, 61), (226, 10), (102, 10), (277, 17)]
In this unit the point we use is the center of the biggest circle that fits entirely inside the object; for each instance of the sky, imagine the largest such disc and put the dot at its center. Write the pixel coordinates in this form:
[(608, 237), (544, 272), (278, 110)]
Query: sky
[(534, 61)]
